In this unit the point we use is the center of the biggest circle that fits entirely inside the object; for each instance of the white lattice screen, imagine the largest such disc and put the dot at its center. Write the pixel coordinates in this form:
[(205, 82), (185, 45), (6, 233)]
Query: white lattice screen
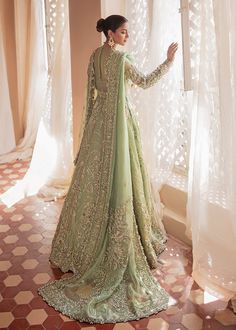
[(140, 40)]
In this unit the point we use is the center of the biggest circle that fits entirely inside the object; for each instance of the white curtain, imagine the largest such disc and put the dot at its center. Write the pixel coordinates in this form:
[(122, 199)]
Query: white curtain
[(212, 176), (31, 73), (7, 135), (51, 165)]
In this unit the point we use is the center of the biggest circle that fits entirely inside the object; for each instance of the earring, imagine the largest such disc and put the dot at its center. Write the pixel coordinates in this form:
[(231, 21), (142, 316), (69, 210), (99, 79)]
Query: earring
[(111, 42)]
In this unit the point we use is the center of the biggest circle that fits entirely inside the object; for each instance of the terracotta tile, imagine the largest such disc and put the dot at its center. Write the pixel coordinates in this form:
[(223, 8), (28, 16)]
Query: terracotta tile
[(70, 326), (21, 311), (9, 209), (107, 326), (37, 302), (64, 318), (157, 323), (10, 292), (4, 228), (41, 278), (20, 251), (53, 322), (25, 227), (177, 288), (45, 249), (5, 319), (12, 280), (172, 310), (226, 317), (30, 264), (19, 324), (176, 327), (29, 208), (46, 234), (17, 165), (5, 265), (121, 326), (35, 238), (7, 305), (36, 316), (17, 217), (10, 239), (23, 297), (3, 182), (192, 321)]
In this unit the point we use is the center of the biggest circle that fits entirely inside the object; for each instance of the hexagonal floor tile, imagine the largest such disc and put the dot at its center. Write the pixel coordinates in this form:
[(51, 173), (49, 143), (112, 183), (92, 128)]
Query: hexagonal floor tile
[(22, 170), (12, 280), (41, 278), (20, 251), (35, 238), (17, 165), (21, 310), (5, 265), (157, 323), (9, 209), (5, 319), (7, 171), (10, 239), (65, 318), (3, 182), (177, 288), (29, 208), (172, 310), (30, 264), (226, 317), (4, 228), (17, 217), (45, 249), (25, 227), (37, 316), (23, 297), (197, 296), (192, 321), (122, 326), (19, 323), (38, 216)]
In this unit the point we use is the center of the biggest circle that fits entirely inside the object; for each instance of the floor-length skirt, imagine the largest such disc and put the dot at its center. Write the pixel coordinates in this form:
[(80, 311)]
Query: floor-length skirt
[(110, 256)]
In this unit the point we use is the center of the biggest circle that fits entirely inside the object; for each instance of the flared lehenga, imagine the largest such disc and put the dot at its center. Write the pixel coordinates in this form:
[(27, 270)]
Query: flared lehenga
[(109, 231)]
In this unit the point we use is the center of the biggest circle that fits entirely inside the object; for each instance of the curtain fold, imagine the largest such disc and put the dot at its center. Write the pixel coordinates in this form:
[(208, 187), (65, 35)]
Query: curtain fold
[(211, 208), (51, 165), (7, 135), (31, 73)]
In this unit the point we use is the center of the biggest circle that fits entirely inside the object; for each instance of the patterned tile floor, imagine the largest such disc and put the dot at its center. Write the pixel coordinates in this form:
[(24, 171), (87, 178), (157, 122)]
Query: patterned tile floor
[(26, 232)]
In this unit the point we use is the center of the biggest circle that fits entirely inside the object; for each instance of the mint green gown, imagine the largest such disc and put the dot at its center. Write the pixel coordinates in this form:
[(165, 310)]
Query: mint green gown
[(108, 233)]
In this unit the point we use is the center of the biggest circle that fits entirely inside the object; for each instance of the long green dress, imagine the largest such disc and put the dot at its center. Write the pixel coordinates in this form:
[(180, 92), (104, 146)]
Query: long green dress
[(108, 233)]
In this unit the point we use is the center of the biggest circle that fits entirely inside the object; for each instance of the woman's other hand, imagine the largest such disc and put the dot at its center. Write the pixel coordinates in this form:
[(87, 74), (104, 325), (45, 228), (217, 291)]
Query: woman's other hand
[(171, 51)]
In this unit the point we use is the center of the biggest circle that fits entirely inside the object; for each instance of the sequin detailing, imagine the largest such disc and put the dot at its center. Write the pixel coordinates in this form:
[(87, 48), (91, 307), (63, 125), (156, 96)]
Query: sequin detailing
[(108, 232), (142, 80)]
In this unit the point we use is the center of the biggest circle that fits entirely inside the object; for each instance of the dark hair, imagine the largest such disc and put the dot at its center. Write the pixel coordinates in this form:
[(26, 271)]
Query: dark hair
[(112, 23)]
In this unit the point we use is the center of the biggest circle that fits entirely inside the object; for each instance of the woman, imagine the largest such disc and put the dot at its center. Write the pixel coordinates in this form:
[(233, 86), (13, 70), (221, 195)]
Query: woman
[(108, 233)]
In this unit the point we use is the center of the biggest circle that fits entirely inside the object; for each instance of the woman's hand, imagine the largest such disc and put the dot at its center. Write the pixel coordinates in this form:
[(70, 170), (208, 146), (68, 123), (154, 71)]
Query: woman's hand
[(171, 51)]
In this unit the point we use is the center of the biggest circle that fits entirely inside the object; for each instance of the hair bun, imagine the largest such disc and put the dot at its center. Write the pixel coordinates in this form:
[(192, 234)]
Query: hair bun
[(100, 24)]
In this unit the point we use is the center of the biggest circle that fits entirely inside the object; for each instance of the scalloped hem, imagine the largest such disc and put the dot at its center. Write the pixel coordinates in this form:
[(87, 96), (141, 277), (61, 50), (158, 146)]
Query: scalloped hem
[(62, 310)]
